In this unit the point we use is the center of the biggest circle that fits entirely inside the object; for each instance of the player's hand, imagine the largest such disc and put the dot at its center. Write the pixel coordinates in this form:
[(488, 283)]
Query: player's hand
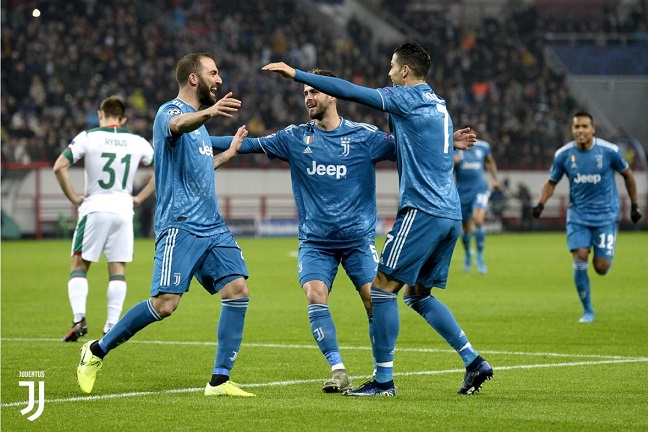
[(634, 213), (537, 210), (225, 106), (464, 139), (281, 68), (237, 141)]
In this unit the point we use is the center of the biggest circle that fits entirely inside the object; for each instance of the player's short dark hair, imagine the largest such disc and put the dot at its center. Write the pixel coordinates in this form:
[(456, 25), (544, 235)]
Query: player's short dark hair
[(416, 56), (113, 107), (584, 114), (324, 72), (189, 64)]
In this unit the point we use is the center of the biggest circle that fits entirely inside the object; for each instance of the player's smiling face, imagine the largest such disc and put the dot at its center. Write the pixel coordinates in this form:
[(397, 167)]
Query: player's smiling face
[(208, 82), (396, 71), (583, 131), (316, 102)]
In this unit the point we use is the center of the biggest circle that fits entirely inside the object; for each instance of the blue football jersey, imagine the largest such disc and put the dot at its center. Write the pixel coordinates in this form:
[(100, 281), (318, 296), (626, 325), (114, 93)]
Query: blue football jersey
[(469, 171), (184, 176), (421, 124), (333, 176), (593, 196)]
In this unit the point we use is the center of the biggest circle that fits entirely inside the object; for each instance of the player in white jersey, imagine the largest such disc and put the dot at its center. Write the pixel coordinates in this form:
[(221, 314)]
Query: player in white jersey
[(474, 194), (111, 155), (590, 163)]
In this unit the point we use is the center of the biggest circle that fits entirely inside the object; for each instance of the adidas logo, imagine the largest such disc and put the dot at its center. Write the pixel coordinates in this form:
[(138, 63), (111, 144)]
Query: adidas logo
[(308, 150)]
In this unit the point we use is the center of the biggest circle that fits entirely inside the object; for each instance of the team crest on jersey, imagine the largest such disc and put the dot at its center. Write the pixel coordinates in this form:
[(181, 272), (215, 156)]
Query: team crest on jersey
[(479, 153), (346, 146), (599, 161)]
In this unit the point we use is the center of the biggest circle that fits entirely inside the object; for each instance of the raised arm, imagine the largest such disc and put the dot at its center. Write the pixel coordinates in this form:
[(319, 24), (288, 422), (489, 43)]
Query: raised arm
[(233, 149), (188, 122), (336, 87)]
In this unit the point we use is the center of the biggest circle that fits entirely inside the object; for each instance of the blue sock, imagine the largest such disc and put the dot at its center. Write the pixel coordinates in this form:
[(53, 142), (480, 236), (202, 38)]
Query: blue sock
[(371, 339), (386, 325), (480, 239), (466, 236), (137, 317), (323, 329), (581, 279), (230, 333), (442, 320)]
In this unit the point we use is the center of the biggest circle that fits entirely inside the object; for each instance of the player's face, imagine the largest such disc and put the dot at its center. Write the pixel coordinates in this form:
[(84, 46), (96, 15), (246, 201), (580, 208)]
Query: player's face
[(208, 82), (395, 73), (317, 103), (583, 131)]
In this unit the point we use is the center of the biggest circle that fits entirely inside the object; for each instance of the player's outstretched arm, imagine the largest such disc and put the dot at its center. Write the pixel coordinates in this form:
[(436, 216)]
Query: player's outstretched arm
[(188, 122), (464, 139), (281, 68), (233, 149)]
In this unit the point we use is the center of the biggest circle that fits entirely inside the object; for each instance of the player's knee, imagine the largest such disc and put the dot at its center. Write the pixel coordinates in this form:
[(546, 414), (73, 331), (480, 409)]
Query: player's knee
[(601, 268)]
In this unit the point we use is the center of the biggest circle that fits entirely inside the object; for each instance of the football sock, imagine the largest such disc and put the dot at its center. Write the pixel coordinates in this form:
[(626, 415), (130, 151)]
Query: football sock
[(137, 317), (442, 320), (480, 238), (218, 379), (116, 295), (581, 279), (230, 333), (323, 330), (371, 338), (78, 293), (386, 325), (465, 239)]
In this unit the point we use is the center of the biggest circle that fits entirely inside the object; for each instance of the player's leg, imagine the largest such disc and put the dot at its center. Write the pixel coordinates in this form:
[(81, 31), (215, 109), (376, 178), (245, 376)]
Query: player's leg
[(317, 270), (434, 273), (579, 239), (479, 217), (604, 245), (118, 252), (467, 232), (176, 254), (87, 244), (224, 272)]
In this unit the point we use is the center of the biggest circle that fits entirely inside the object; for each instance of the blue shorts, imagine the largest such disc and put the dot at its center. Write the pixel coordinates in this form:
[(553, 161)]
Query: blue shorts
[(601, 238), (317, 262), (419, 248), (472, 202), (179, 255)]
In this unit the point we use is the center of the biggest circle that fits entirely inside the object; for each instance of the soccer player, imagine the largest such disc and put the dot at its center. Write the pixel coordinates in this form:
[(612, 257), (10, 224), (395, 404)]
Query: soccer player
[(191, 236), (111, 155), (418, 249), (332, 167), (590, 163), (473, 195)]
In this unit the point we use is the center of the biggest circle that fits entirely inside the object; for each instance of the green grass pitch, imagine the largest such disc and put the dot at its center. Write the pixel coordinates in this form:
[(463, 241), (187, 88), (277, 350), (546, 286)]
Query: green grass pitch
[(551, 373)]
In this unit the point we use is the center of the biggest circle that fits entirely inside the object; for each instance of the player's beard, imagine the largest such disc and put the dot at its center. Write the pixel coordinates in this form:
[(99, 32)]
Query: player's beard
[(205, 96), (318, 112)]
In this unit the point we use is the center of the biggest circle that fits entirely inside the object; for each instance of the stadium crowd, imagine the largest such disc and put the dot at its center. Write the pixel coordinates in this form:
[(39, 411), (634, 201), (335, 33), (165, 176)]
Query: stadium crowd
[(56, 67)]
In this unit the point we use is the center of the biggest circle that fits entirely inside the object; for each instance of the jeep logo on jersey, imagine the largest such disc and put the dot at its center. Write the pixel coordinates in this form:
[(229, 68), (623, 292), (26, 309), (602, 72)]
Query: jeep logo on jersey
[(587, 178), (338, 171), (206, 150)]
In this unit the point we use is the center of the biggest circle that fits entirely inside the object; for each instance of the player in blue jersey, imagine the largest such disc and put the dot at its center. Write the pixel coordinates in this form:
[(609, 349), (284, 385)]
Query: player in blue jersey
[(474, 194), (191, 236), (590, 163), (417, 253), (332, 167)]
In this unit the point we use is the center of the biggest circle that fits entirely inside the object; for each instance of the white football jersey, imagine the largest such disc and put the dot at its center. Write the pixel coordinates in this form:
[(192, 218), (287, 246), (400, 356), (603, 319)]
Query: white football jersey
[(111, 156)]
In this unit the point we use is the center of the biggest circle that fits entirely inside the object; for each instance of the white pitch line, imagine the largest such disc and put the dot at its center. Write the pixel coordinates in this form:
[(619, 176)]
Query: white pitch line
[(308, 381), (350, 348)]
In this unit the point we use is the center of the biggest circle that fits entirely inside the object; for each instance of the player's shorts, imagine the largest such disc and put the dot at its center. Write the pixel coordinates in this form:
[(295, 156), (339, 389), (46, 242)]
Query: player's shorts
[(419, 248), (316, 262), (473, 202), (179, 255), (110, 233), (601, 238)]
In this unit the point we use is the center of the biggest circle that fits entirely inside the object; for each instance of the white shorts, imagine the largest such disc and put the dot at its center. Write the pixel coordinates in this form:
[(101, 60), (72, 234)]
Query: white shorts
[(110, 233)]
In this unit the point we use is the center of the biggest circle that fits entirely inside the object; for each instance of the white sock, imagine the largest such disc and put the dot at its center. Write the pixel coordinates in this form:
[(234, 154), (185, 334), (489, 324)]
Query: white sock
[(78, 294), (116, 295)]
